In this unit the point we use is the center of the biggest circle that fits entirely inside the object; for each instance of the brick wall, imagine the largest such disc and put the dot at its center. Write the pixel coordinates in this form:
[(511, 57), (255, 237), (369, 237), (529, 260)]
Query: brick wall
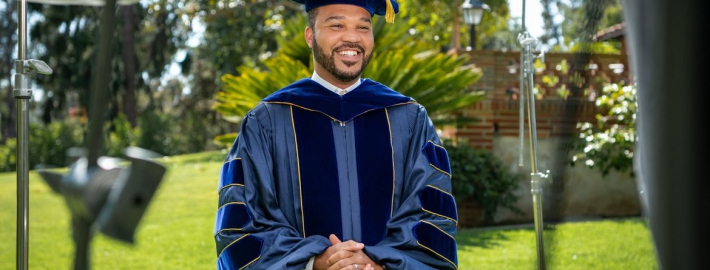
[(586, 192), (556, 114)]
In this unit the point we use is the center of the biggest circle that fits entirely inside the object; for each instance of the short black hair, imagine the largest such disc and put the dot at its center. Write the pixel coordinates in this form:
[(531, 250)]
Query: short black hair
[(312, 18)]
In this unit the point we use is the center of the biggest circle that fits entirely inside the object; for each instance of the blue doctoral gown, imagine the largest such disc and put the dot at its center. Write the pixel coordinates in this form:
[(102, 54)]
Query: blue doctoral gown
[(366, 166)]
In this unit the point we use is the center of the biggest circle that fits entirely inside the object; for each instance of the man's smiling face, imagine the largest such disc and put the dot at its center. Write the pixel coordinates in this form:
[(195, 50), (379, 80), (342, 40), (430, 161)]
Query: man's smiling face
[(342, 42)]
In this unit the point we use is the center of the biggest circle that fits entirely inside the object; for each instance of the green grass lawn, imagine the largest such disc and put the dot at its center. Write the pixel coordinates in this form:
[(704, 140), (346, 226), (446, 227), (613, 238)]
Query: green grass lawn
[(176, 232)]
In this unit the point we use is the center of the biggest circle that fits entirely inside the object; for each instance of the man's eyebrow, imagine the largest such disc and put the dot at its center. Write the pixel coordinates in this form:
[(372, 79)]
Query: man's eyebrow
[(341, 17), (336, 17)]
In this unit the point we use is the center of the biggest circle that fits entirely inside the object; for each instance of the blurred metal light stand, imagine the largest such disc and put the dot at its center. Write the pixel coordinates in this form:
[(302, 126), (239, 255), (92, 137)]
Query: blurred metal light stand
[(527, 92), (102, 194), (23, 94)]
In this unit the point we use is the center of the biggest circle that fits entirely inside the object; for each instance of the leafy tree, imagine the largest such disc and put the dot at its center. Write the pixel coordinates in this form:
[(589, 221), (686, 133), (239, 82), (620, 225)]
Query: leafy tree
[(241, 32), (609, 145), (233, 34), (438, 81), (8, 40), (552, 35), (577, 28), (445, 27), (497, 30), (65, 37)]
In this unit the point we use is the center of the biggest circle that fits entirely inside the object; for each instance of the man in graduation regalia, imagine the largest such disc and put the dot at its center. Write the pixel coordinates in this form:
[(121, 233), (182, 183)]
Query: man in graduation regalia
[(336, 171)]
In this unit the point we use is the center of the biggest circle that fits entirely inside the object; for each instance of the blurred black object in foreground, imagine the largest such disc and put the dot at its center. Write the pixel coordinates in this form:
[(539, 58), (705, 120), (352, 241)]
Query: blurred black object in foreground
[(105, 194), (110, 197), (670, 59)]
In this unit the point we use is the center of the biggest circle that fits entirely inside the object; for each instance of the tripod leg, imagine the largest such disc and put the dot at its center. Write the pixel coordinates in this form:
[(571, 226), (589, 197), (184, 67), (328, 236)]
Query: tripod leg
[(81, 233)]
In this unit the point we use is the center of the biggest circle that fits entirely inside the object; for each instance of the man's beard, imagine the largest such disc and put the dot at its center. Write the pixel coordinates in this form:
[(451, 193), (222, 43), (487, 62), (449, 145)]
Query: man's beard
[(329, 62)]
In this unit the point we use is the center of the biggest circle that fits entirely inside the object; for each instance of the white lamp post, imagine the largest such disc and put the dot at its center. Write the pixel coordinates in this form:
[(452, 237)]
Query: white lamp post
[(472, 14)]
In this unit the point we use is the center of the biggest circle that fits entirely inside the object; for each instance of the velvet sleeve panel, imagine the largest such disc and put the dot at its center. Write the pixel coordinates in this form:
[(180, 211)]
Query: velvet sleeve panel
[(251, 232), (421, 231)]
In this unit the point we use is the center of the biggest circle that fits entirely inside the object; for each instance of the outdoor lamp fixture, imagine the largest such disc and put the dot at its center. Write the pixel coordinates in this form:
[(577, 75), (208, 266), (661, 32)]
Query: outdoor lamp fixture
[(472, 15)]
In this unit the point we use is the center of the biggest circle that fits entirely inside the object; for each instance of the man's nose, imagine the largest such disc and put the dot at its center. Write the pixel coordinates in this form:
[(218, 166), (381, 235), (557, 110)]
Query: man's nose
[(351, 35)]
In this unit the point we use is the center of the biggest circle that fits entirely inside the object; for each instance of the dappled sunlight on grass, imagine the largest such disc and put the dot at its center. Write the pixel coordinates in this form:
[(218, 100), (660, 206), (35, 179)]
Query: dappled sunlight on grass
[(203, 157), (601, 244), (496, 249)]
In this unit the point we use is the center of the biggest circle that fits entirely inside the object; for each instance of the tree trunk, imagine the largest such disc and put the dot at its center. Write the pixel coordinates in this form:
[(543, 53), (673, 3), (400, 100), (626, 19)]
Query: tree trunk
[(9, 129), (129, 64), (9, 30), (456, 35)]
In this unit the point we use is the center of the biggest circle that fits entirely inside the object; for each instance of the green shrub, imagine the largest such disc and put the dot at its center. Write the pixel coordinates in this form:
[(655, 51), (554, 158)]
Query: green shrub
[(155, 133), (120, 136), (170, 134), (8, 162), (478, 175), (199, 131), (160, 132), (49, 143), (609, 143)]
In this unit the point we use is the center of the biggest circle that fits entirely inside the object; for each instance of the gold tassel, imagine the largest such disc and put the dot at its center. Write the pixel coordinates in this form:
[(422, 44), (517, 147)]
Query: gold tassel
[(389, 16)]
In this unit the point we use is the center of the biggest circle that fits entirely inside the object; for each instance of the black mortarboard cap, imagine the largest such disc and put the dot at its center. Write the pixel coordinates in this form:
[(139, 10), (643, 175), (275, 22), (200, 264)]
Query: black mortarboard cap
[(388, 8)]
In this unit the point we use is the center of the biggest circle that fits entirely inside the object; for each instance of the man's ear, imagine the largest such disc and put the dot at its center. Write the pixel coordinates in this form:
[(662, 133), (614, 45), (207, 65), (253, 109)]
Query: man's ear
[(309, 36)]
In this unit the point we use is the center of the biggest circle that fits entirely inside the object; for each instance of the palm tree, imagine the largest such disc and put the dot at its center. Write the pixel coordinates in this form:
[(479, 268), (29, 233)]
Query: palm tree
[(439, 81)]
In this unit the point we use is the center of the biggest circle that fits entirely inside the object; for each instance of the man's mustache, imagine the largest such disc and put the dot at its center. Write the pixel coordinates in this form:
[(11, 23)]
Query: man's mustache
[(350, 46)]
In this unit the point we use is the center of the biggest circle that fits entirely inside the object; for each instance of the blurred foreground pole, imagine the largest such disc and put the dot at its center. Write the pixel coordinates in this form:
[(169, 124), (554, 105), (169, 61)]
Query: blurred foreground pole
[(670, 62), (23, 94), (527, 92), (22, 97)]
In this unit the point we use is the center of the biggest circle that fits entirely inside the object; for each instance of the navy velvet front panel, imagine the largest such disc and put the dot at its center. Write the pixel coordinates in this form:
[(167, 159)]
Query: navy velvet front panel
[(320, 191), (437, 241), (232, 216), (375, 174), (242, 252), (438, 202)]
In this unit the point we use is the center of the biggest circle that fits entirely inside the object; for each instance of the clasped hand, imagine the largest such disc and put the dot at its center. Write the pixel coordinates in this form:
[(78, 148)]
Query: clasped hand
[(346, 255)]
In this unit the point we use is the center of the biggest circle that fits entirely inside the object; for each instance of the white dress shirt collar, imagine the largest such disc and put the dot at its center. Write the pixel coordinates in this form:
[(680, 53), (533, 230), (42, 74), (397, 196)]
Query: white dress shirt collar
[(332, 87)]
